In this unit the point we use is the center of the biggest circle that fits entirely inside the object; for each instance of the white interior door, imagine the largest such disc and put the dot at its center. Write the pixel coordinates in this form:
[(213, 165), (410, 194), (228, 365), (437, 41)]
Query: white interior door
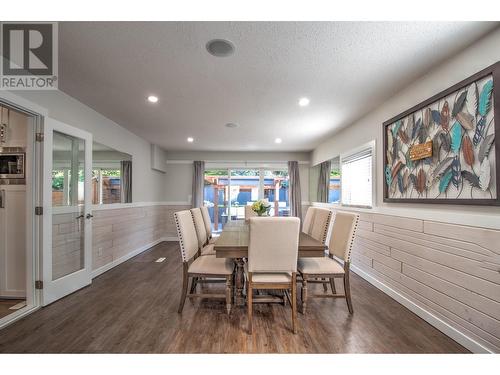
[(67, 216)]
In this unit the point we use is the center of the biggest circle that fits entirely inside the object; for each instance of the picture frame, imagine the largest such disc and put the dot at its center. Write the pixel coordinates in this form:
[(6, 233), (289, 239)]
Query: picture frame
[(455, 154)]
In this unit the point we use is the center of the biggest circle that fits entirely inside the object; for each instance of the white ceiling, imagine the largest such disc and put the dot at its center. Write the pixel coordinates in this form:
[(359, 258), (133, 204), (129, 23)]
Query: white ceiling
[(345, 68)]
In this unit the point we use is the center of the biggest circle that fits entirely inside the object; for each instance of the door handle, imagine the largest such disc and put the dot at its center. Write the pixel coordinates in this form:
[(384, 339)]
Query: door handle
[(89, 216), (80, 217), (2, 198)]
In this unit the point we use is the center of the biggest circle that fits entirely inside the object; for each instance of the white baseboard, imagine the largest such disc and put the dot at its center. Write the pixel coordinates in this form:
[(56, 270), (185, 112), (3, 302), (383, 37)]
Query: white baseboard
[(132, 254), (13, 294), (124, 258), (17, 315), (430, 318)]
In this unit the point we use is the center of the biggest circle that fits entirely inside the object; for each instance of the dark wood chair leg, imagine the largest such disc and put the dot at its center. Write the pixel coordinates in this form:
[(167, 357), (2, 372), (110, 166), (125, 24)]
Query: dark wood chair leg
[(294, 302), (304, 293), (249, 303), (332, 285), (325, 285), (229, 289), (194, 283), (185, 282), (347, 291)]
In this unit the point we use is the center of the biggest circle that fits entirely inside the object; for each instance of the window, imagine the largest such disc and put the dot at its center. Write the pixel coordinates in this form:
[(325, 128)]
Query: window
[(276, 188), (334, 185), (356, 172), (106, 186), (228, 190)]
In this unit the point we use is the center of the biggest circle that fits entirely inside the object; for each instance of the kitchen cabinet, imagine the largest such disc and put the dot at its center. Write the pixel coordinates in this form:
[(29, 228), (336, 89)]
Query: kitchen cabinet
[(13, 241)]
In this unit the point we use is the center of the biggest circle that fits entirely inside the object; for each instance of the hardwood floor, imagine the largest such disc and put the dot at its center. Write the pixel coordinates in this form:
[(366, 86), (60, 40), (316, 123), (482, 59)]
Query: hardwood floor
[(6, 304), (133, 309)]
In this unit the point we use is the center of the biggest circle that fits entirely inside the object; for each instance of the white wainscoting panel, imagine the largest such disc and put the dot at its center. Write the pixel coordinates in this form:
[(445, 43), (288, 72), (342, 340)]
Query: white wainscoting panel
[(448, 274), (118, 234)]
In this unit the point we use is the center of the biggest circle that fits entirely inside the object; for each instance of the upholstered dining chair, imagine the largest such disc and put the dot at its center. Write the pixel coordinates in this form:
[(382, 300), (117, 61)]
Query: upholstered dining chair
[(306, 226), (203, 245), (318, 229), (320, 224), (208, 224), (249, 213), (272, 260), (340, 246), (207, 267)]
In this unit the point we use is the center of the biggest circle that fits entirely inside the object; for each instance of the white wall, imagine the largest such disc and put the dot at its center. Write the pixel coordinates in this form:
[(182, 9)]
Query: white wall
[(480, 55), (179, 176), (147, 185)]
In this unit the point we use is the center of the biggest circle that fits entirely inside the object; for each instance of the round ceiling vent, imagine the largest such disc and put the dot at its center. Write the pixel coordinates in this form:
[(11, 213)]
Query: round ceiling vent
[(220, 47), (231, 125)]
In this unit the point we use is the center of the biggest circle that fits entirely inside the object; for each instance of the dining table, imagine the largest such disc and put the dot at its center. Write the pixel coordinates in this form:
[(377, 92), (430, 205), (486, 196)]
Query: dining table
[(233, 244)]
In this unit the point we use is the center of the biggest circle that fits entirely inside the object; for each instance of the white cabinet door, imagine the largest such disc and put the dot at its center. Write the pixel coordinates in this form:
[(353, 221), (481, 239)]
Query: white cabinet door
[(13, 241)]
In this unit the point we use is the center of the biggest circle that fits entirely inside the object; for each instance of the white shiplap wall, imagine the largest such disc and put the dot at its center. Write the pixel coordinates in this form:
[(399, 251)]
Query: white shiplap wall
[(448, 273)]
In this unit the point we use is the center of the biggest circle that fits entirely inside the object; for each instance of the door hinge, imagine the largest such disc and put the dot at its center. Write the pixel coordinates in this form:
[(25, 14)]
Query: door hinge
[(39, 211), (39, 137), (38, 284)]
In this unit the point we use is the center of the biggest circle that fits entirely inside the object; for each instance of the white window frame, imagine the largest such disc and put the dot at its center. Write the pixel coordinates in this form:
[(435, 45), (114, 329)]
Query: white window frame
[(367, 146), (260, 166)]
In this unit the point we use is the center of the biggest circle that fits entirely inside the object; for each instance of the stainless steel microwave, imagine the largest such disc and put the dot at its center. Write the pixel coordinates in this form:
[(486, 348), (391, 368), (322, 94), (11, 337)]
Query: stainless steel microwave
[(12, 165)]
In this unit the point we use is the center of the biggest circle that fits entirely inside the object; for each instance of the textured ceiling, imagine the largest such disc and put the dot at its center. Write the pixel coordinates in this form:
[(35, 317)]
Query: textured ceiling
[(345, 68)]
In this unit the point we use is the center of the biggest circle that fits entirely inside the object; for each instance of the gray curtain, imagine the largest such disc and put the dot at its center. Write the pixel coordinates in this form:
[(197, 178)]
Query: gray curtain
[(294, 193), (126, 177), (324, 181), (198, 183)]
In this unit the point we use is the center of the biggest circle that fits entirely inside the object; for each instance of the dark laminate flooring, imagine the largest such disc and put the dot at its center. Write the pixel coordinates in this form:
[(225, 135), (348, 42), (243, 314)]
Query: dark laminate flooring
[(6, 304), (133, 309)]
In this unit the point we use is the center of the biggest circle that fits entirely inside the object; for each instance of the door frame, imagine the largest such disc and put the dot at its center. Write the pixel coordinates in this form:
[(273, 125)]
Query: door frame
[(34, 230), (65, 285)]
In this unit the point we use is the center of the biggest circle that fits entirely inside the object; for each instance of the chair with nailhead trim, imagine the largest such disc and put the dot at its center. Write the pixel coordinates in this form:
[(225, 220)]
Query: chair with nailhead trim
[(331, 267), (205, 269)]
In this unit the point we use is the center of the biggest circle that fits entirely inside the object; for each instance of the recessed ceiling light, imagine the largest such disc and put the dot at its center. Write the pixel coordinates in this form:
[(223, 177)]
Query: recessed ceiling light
[(231, 125), (278, 140), (220, 47), (304, 102), (152, 99), (190, 139)]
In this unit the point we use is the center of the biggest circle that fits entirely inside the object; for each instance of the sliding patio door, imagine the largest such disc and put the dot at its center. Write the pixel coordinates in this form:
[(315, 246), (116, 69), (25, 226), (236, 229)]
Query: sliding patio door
[(67, 234), (276, 189), (245, 188), (228, 190)]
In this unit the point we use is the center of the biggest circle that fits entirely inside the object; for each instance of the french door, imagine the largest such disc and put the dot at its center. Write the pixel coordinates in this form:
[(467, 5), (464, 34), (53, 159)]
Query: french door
[(228, 190), (244, 188), (67, 216)]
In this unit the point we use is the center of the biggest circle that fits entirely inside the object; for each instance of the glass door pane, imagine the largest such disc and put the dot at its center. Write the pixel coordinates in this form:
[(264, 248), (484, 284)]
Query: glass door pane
[(276, 190), (67, 219), (68, 192), (244, 190), (216, 197)]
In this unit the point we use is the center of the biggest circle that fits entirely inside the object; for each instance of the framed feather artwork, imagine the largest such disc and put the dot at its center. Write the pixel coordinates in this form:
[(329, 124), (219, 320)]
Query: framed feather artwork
[(446, 149)]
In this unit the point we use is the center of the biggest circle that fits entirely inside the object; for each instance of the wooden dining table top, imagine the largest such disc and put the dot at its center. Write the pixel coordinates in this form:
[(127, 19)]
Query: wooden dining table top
[(233, 242)]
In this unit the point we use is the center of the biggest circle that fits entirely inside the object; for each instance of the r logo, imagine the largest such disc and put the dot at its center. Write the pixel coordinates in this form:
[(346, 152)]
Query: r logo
[(27, 49)]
